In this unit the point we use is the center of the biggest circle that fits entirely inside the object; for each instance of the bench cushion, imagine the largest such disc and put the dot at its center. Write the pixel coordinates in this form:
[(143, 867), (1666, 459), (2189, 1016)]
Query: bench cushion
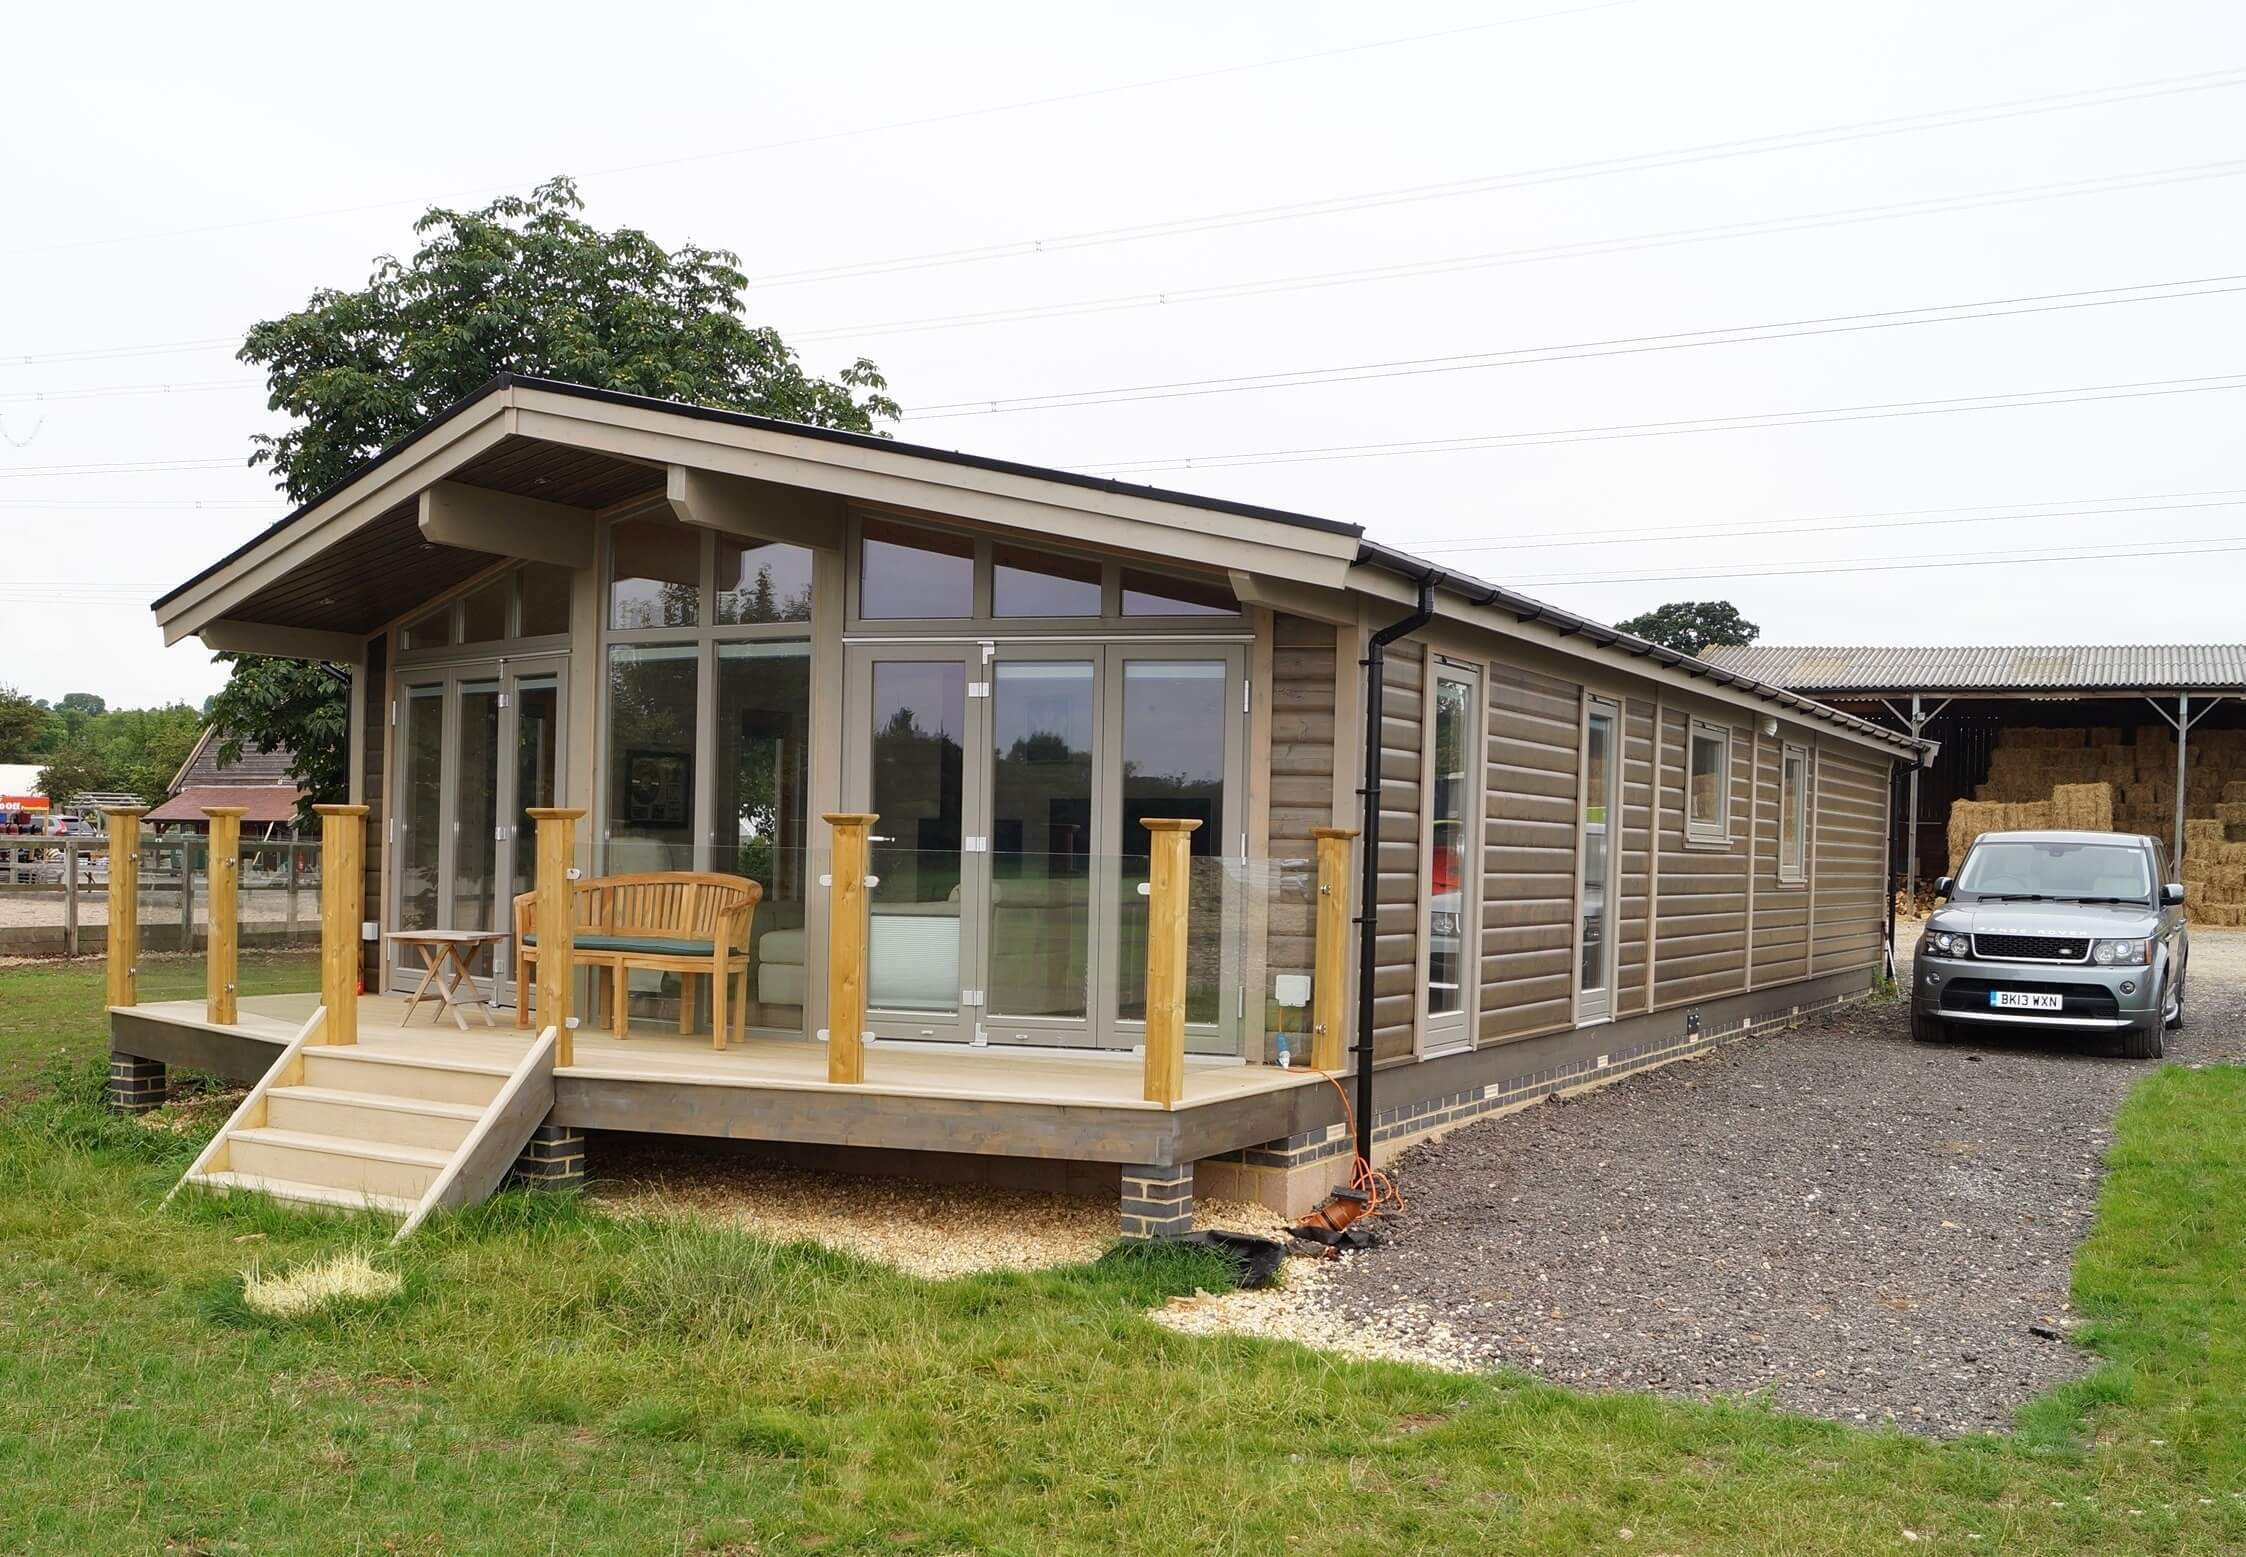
[(653, 945)]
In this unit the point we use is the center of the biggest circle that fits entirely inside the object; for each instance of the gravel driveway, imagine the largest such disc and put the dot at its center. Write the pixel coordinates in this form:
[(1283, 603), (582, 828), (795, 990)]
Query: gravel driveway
[(1853, 1225)]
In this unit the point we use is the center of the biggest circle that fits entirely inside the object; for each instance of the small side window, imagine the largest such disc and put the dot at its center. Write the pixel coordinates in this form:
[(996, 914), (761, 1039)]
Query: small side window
[(1793, 815), (1708, 784)]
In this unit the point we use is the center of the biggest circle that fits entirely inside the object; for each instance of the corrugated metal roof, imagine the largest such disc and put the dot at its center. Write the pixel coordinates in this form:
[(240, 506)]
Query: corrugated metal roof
[(2083, 667)]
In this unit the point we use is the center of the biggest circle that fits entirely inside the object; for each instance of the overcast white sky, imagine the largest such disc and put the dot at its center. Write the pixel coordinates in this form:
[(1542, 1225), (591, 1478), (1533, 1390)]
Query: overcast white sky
[(175, 174)]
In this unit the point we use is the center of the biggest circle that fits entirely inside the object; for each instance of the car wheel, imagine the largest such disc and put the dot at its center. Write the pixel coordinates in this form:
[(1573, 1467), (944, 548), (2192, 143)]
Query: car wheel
[(2142, 1043), (1926, 1027), (2175, 1017)]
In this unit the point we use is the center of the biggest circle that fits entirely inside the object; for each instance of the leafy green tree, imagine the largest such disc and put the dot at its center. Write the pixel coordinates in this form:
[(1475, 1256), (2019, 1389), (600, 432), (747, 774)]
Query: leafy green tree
[(523, 285), (302, 705), (132, 751), (1693, 626), (23, 726), (87, 703)]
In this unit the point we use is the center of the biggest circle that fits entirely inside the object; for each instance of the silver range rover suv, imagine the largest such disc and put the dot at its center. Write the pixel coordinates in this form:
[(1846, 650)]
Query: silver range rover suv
[(2056, 931)]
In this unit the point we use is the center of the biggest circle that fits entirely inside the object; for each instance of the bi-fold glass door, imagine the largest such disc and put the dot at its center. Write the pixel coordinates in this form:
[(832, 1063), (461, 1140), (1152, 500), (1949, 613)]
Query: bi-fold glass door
[(1011, 781), (477, 746)]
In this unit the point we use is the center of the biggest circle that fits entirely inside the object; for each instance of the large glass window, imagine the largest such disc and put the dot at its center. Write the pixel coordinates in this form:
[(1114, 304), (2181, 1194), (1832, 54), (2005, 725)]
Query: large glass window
[(1030, 583), (1173, 766), (1447, 874), (1793, 814), (763, 774), (652, 692), (1708, 784), (1041, 836), (483, 614), (1151, 594), (904, 573), (918, 787), (545, 600), (655, 575), (762, 583)]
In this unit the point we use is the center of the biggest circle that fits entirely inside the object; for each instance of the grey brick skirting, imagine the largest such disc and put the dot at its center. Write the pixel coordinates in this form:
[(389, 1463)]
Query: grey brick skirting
[(554, 1158), (1157, 1201), (137, 1085)]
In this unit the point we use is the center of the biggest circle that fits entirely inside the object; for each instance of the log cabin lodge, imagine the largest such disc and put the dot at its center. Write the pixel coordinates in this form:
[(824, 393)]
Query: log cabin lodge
[(939, 709)]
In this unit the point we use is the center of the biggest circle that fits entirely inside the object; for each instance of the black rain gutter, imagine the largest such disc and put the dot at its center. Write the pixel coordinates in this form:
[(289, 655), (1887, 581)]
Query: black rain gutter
[(1368, 852)]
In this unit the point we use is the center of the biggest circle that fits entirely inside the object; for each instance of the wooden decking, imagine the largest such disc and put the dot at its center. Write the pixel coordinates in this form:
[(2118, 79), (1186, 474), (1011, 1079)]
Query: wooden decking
[(988, 1101)]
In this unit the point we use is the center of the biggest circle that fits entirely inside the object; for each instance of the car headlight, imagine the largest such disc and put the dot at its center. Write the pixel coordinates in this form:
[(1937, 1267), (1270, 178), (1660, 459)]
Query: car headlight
[(1951, 943), (2121, 953)]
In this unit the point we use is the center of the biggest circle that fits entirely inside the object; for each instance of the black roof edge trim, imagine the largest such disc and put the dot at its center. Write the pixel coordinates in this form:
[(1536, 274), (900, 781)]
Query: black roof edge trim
[(1527, 609), (836, 435)]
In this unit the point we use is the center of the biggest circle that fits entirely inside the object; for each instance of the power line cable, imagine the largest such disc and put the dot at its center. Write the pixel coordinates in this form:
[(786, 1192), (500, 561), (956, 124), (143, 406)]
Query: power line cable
[(850, 131), (2007, 400), (1605, 167), (2218, 545), (102, 353), (120, 468), (1814, 221), (1721, 335), (126, 391)]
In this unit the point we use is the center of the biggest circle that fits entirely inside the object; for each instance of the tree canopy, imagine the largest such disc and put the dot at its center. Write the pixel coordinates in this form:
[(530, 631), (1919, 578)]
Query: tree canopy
[(526, 285), (1693, 626), (129, 751), (300, 705)]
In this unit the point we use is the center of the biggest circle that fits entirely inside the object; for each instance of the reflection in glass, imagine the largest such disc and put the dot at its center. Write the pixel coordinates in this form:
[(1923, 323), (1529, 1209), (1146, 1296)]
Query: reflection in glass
[(763, 771), (1150, 594), (1447, 875), (1041, 837), (1032, 583), (1704, 794), (770, 582), (475, 848), (1598, 856), (909, 573), (1173, 766), (650, 809), (919, 713), (537, 762), (420, 805), (433, 631), (544, 599), (1793, 808), (656, 575)]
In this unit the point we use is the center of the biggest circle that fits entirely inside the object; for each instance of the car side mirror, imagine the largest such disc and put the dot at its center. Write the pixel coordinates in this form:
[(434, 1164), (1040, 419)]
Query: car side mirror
[(2172, 895), (1945, 886)]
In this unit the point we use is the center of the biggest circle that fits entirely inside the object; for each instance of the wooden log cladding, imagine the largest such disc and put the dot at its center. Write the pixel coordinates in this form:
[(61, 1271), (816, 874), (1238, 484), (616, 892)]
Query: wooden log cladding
[(1700, 941), (221, 958), (1530, 835), (846, 947), (1168, 905), (124, 904), (1847, 848), (342, 838), (1637, 855), (1302, 774), (1399, 851)]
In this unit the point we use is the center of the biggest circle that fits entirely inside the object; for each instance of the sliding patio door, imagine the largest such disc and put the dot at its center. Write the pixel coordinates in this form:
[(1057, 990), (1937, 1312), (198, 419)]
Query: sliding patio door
[(477, 745)]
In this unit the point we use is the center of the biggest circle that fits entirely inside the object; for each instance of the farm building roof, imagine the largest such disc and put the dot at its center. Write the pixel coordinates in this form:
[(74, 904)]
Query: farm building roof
[(1868, 669)]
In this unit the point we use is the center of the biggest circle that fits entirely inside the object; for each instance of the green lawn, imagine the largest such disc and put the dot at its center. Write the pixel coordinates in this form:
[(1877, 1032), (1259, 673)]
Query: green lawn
[(554, 1381)]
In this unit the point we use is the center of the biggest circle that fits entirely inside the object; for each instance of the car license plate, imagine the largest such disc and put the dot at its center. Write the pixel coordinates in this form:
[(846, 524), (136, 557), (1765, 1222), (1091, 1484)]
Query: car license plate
[(2020, 1000)]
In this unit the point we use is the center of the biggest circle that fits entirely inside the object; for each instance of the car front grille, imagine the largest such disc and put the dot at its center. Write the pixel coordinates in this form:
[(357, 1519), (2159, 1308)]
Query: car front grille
[(2033, 948), (2081, 1000)]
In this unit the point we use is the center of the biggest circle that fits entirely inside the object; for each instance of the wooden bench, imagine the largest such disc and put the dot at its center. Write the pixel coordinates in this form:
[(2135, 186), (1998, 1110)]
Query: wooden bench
[(692, 923)]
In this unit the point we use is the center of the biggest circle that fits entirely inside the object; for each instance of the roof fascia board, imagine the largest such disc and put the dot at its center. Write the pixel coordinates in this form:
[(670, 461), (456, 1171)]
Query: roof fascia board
[(903, 479), (1315, 602), (377, 491), (1381, 584)]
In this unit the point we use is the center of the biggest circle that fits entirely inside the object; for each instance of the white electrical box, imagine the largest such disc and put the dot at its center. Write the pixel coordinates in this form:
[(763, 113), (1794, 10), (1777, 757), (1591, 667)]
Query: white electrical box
[(1291, 989)]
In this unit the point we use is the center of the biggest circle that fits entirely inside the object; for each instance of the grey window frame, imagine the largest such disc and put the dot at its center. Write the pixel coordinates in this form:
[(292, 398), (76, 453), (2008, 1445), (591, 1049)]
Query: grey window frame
[(1715, 832), (1795, 871)]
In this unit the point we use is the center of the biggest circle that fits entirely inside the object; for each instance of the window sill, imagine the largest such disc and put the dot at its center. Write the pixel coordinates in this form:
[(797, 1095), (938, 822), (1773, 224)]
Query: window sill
[(1711, 845), (1793, 881)]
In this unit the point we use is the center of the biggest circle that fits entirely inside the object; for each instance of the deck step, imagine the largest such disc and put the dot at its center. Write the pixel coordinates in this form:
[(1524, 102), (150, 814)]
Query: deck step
[(370, 1116), (354, 1069), (355, 1166), (299, 1193)]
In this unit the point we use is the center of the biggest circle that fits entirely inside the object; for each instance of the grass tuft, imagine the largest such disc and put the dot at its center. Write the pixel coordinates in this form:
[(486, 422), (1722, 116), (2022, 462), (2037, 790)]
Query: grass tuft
[(343, 1281)]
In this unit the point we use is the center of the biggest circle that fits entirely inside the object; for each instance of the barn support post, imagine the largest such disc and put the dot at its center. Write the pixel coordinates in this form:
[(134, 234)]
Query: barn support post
[(1910, 854), (2183, 738)]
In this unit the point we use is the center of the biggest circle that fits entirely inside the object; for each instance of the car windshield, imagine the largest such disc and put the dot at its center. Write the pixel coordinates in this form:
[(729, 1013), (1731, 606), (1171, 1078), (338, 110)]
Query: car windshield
[(2056, 870)]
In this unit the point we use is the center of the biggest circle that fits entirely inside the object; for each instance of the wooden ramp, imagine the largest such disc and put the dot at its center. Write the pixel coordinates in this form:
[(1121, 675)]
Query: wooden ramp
[(361, 1128)]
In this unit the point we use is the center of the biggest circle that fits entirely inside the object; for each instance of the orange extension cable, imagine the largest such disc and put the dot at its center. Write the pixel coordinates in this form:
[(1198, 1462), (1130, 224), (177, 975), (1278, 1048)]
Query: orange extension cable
[(1379, 1190)]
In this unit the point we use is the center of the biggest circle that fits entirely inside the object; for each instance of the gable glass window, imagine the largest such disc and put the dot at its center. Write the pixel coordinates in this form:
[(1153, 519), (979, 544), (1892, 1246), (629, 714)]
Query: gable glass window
[(1793, 814), (1450, 876), (762, 583), (1150, 594), (655, 575), (1708, 784), (906, 574), (1029, 583), (545, 590)]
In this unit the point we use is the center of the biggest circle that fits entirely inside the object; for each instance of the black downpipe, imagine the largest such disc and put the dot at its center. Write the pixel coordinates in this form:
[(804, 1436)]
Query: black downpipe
[(1368, 835)]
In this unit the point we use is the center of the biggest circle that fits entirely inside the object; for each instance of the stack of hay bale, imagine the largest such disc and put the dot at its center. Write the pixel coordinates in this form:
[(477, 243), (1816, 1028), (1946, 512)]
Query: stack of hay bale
[(2089, 780)]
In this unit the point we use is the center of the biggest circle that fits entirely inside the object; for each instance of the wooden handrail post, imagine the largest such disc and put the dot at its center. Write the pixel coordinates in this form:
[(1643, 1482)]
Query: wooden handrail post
[(124, 903), (1169, 901), (1329, 980), (557, 926), (846, 946), (221, 962), (342, 893)]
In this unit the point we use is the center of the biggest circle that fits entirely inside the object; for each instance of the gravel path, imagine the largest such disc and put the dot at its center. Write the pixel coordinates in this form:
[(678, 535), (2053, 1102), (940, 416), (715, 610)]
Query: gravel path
[(1853, 1225)]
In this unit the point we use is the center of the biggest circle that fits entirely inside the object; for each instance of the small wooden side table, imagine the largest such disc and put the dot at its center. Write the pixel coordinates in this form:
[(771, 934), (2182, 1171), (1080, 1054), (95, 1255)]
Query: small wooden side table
[(449, 957)]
